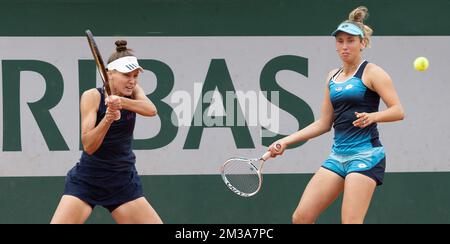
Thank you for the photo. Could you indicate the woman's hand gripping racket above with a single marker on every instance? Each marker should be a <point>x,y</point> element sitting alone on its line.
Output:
<point>244,176</point>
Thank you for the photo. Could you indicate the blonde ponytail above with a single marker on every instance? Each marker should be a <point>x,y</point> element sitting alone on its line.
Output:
<point>357,17</point>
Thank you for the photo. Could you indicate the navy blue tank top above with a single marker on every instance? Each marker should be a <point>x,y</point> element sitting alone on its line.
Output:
<point>115,153</point>
<point>347,98</point>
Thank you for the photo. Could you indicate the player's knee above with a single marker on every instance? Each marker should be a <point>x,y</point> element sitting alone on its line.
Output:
<point>303,217</point>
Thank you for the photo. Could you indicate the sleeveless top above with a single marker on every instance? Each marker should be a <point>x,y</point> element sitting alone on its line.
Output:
<point>347,98</point>
<point>115,153</point>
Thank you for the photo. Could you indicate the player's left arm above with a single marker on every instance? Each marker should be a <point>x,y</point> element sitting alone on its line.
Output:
<point>380,82</point>
<point>139,104</point>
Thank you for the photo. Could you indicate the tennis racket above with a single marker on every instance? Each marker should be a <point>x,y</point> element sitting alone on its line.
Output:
<point>244,176</point>
<point>99,61</point>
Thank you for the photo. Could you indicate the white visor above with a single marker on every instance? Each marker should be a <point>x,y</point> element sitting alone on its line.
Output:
<point>124,64</point>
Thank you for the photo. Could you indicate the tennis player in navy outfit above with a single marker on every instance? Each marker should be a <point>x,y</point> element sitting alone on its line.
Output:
<point>356,164</point>
<point>106,174</point>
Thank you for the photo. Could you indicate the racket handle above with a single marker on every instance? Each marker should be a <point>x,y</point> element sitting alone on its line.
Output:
<point>266,156</point>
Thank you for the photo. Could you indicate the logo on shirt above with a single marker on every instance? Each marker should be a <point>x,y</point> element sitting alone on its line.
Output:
<point>338,89</point>
<point>361,166</point>
<point>349,86</point>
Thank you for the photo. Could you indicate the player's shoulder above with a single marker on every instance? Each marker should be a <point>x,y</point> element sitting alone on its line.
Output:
<point>331,73</point>
<point>375,72</point>
<point>372,68</point>
<point>91,92</point>
<point>91,95</point>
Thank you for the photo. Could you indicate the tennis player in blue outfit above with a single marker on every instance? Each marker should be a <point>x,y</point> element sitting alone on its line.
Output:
<point>106,174</point>
<point>356,164</point>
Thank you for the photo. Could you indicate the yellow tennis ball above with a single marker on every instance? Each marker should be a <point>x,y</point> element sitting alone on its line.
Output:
<point>421,64</point>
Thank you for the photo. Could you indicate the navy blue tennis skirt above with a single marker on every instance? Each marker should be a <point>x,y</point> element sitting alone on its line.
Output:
<point>100,186</point>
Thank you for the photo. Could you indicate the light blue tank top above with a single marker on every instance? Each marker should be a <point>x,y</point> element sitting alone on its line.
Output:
<point>347,98</point>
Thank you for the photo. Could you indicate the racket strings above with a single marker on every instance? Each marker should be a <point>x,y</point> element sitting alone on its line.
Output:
<point>242,176</point>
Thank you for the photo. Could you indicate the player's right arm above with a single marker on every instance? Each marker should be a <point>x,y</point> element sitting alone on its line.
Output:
<point>317,128</point>
<point>92,136</point>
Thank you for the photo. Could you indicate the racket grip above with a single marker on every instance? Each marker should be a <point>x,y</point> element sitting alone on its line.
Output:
<point>266,156</point>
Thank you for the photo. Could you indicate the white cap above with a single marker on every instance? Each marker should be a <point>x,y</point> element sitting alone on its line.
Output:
<point>124,64</point>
